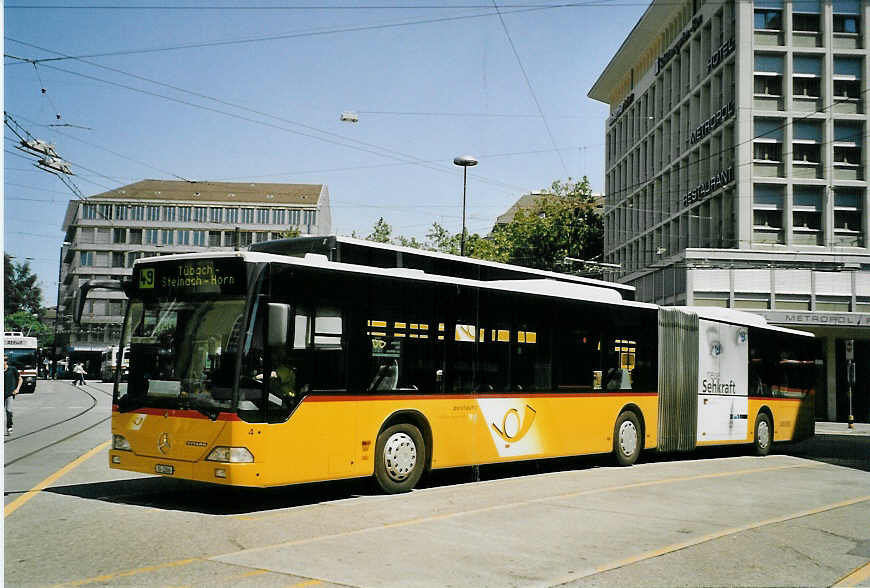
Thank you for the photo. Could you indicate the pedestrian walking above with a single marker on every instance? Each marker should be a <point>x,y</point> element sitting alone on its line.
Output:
<point>79,371</point>
<point>11,385</point>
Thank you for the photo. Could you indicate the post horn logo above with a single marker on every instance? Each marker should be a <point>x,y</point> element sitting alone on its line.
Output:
<point>163,444</point>
<point>512,428</point>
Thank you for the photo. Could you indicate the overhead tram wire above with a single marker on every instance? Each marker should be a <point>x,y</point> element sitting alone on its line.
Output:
<point>529,84</point>
<point>367,147</point>
<point>300,35</point>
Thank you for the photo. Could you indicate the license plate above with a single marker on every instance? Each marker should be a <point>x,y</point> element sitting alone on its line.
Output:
<point>164,469</point>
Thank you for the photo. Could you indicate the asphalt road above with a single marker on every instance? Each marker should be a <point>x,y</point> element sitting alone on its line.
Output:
<point>800,517</point>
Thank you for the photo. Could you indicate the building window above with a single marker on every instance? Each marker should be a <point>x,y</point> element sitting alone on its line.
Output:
<point>848,217</point>
<point>151,236</point>
<point>117,259</point>
<point>261,237</point>
<point>262,216</point>
<point>847,143</point>
<point>807,215</point>
<point>121,212</point>
<point>768,74</point>
<point>247,216</point>
<point>232,215</point>
<point>847,77</point>
<point>184,237</point>
<point>132,257</point>
<point>216,215</point>
<point>807,76</point>
<point>135,236</point>
<point>245,238</point>
<point>847,17</point>
<point>767,143</point>
<point>200,214</point>
<point>767,19</point>
<point>153,213</point>
<point>230,239</point>
<point>807,23</point>
<point>767,207</point>
<point>309,217</point>
<point>89,211</point>
<point>168,237</point>
<point>294,218</point>
<point>807,147</point>
<point>184,213</point>
<point>214,238</point>
<point>137,212</point>
<point>86,258</point>
<point>199,238</point>
<point>104,211</point>
<point>119,235</point>
<point>279,217</point>
<point>169,213</point>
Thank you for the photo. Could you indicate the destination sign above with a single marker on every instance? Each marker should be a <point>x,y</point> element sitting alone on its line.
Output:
<point>194,276</point>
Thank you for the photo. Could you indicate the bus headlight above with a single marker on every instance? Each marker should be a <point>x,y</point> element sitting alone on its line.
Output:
<point>120,443</point>
<point>231,455</point>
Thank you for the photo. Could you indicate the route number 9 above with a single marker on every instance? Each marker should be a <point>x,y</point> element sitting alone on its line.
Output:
<point>146,278</point>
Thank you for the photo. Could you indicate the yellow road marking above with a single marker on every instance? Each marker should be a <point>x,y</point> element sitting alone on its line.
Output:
<point>710,537</point>
<point>855,578</point>
<point>306,583</point>
<point>18,502</point>
<point>127,573</point>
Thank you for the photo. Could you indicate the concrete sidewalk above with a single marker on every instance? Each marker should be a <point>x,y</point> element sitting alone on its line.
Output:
<point>827,428</point>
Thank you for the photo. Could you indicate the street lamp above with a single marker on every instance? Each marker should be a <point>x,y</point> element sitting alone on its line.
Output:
<point>57,314</point>
<point>465,161</point>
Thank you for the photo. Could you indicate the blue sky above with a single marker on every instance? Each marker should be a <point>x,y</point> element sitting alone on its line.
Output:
<point>259,100</point>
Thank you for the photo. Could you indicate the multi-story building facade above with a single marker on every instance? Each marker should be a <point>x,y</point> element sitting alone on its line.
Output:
<point>736,168</point>
<point>106,233</point>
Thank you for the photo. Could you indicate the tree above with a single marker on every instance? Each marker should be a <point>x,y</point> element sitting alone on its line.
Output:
<point>562,222</point>
<point>28,323</point>
<point>381,232</point>
<point>20,290</point>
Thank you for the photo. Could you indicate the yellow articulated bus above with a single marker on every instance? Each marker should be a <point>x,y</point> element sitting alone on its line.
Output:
<point>259,369</point>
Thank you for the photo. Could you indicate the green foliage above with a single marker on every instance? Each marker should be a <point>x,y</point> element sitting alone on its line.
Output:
<point>20,290</point>
<point>28,324</point>
<point>290,233</point>
<point>560,223</point>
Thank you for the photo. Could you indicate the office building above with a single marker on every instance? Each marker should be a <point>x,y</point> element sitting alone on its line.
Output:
<point>736,168</point>
<point>106,233</point>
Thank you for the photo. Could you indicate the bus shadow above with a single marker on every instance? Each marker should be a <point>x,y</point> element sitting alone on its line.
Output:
<point>852,451</point>
<point>183,495</point>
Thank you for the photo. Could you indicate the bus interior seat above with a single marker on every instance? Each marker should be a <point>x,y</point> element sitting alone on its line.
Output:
<point>387,377</point>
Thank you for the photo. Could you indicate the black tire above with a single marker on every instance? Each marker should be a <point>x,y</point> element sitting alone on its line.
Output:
<point>763,434</point>
<point>400,458</point>
<point>627,439</point>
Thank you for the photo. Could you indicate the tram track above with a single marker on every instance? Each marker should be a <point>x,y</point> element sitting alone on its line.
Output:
<point>59,423</point>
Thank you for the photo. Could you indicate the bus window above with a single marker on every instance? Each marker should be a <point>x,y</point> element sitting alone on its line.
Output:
<point>530,361</point>
<point>494,358</point>
<point>579,360</point>
<point>401,356</point>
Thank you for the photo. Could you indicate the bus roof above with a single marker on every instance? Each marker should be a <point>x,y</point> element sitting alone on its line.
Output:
<point>542,287</point>
<point>384,255</point>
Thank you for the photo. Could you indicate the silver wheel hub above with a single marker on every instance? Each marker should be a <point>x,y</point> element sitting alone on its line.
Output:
<point>400,456</point>
<point>763,437</point>
<point>627,438</point>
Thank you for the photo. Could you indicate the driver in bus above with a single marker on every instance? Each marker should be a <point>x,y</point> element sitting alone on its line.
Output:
<point>283,378</point>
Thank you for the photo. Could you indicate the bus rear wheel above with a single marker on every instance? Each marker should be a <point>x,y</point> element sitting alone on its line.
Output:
<point>763,434</point>
<point>400,457</point>
<point>626,439</point>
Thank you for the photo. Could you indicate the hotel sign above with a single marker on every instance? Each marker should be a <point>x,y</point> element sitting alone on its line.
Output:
<point>622,108</point>
<point>724,50</point>
<point>665,57</point>
<point>712,123</point>
<point>704,189</point>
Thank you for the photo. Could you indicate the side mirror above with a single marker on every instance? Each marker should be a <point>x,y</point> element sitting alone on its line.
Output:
<point>279,324</point>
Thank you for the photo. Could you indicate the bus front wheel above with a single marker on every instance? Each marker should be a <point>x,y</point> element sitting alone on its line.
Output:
<point>626,438</point>
<point>400,457</point>
<point>763,434</point>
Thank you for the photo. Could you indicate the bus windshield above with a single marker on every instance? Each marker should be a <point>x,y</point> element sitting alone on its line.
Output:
<point>181,354</point>
<point>21,358</point>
